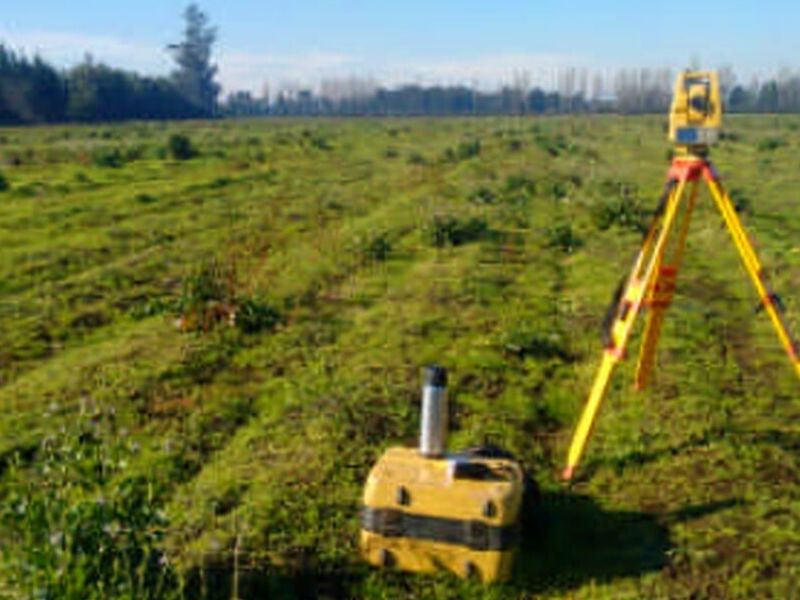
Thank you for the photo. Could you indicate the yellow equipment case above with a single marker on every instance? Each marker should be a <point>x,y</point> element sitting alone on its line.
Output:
<point>458,511</point>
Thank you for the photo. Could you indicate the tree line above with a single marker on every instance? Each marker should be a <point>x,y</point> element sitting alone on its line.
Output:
<point>627,91</point>
<point>33,91</point>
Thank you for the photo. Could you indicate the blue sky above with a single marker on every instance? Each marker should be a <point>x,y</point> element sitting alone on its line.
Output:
<point>299,43</point>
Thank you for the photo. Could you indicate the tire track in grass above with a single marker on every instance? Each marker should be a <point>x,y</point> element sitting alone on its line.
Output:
<point>82,360</point>
<point>35,379</point>
<point>84,275</point>
<point>196,241</point>
<point>135,217</point>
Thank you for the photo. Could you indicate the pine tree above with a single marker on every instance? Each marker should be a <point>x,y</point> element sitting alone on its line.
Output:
<point>194,76</point>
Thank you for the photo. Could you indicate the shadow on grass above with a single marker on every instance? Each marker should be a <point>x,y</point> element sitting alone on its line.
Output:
<point>575,541</point>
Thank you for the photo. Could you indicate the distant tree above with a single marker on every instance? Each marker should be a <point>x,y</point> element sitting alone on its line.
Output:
<point>98,93</point>
<point>194,76</point>
<point>30,91</point>
<point>519,90</point>
<point>626,91</point>
<point>788,90</point>
<point>537,100</point>
<point>740,100</point>
<point>768,97</point>
<point>101,93</point>
<point>727,82</point>
<point>241,104</point>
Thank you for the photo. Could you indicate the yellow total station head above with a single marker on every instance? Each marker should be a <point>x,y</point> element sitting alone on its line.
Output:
<point>696,114</point>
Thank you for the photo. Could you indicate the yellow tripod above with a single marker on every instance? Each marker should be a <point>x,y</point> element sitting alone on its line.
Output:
<point>651,284</point>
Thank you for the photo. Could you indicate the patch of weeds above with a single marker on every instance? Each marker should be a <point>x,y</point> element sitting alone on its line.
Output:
<point>29,190</point>
<point>552,147</point>
<point>136,152</point>
<point>515,145</point>
<point>468,149</point>
<point>741,203</point>
<point>730,136</point>
<point>229,498</point>
<point>89,319</point>
<point>220,182</point>
<point>622,212</point>
<point>332,204</point>
<point>558,185</point>
<point>448,230</point>
<point>519,182</point>
<point>207,297</point>
<point>770,143</point>
<point>390,153</point>
<point>575,179</point>
<point>143,198</point>
<point>376,248</point>
<point>415,158</point>
<point>254,315</point>
<point>211,282</point>
<point>562,237</point>
<point>463,151</point>
<point>558,189</point>
<point>81,527</point>
<point>449,155</point>
<point>530,342</point>
<point>483,195</point>
<point>180,147</point>
<point>150,307</point>
<point>110,158</point>
<point>12,158</point>
<point>321,143</point>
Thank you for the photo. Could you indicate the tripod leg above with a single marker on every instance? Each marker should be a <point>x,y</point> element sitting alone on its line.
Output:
<point>751,263</point>
<point>626,313</point>
<point>660,296</point>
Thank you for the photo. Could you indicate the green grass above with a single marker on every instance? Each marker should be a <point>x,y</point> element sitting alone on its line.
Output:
<point>361,251</point>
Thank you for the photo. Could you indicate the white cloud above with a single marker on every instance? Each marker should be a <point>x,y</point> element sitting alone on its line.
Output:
<point>250,71</point>
<point>67,49</point>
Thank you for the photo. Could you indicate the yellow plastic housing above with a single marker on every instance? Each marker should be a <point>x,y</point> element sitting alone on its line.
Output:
<point>408,486</point>
<point>695,117</point>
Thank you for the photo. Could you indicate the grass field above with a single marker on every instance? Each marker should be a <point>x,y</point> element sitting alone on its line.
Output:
<point>150,445</point>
